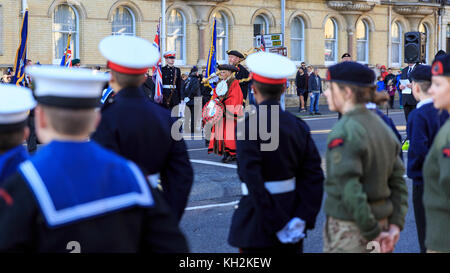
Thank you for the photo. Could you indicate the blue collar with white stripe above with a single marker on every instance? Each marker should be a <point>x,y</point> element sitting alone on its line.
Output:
<point>77,180</point>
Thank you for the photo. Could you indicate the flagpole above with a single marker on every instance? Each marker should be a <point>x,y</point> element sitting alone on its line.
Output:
<point>162,46</point>
<point>24,6</point>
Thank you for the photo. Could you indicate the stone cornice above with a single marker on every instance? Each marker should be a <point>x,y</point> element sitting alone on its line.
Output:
<point>414,10</point>
<point>354,6</point>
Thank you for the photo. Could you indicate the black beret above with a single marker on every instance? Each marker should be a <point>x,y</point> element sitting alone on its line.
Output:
<point>422,73</point>
<point>351,73</point>
<point>346,55</point>
<point>235,53</point>
<point>229,67</point>
<point>441,66</point>
<point>75,61</point>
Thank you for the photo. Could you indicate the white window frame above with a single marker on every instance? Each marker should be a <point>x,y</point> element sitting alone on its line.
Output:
<point>398,62</point>
<point>367,42</point>
<point>427,33</point>
<point>302,40</point>
<point>225,17</point>
<point>1,29</point>
<point>183,40</point>
<point>132,17</point>
<point>75,34</point>
<point>336,41</point>
<point>266,30</point>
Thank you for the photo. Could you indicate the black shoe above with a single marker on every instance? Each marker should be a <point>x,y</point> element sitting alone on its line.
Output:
<point>318,114</point>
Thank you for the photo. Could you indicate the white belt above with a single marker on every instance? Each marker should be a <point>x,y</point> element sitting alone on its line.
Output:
<point>274,187</point>
<point>169,86</point>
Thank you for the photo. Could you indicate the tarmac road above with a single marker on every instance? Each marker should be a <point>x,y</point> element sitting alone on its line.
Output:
<point>216,191</point>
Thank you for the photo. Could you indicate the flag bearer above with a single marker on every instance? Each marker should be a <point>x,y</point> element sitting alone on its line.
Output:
<point>436,171</point>
<point>367,197</point>
<point>139,129</point>
<point>282,183</point>
<point>73,195</point>
<point>15,104</point>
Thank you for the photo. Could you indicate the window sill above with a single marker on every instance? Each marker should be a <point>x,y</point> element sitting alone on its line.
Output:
<point>330,63</point>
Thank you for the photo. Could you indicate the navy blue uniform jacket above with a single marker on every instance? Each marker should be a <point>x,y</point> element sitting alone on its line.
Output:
<point>260,215</point>
<point>140,130</point>
<point>423,125</point>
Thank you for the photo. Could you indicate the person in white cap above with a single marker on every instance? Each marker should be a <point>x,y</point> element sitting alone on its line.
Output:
<point>15,104</point>
<point>171,78</point>
<point>74,195</point>
<point>282,184</point>
<point>139,129</point>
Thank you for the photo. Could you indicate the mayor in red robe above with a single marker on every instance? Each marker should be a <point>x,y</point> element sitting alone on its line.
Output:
<point>223,134</point>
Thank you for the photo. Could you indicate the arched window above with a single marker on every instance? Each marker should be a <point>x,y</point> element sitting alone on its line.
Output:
<point>298,39</point>
<point>123,22</point>
<point>65,21</point>
<point>424,29</point>
<point>396,44</point>
<point>176,29</point>
<point>222,36</point>
<point>260,27</point>
<point>362,41</point>
<point>331,38</point>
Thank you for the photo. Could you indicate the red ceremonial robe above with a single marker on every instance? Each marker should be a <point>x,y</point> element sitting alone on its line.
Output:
<point>223,134</point>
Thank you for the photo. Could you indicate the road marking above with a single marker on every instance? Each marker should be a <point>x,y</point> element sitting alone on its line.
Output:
<point>213,205</point>
<point>231,166</point>
<point>200,149</point>
<point>400,128</point>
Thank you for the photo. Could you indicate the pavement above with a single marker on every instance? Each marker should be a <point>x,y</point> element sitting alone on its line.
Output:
<point>216,192</point>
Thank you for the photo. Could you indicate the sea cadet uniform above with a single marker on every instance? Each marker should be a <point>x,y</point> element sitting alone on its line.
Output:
<point>171,79</point>
<point>282,187</point>
<point>436,175</point>
<point>139,129</point>
<point>15,104</point>
<point>78,196</point>
<point>365,187</point>
<point>423,124</point>
<point>242,75</point>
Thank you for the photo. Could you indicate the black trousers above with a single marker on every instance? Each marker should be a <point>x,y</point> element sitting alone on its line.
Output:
<point>32,138</point>
<point>419,214</point>
<point>281,248</point>
<point>190,120</point>
<point>408,109</point>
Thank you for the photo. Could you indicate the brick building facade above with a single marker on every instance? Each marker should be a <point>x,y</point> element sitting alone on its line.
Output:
<point>317,32</point>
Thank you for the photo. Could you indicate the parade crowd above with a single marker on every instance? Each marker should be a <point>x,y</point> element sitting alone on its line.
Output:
<point>111,176</point>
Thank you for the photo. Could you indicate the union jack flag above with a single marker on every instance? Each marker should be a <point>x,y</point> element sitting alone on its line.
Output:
<point>157,75</point>
<point>263,43</point>
<point>67,57</point>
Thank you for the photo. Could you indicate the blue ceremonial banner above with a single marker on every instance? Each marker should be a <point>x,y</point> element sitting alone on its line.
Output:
<point>21,55</point>
<point>211,62</point>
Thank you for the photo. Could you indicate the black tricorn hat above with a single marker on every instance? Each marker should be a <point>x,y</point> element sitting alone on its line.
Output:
<point>229,67</point>
<point>236,53</point>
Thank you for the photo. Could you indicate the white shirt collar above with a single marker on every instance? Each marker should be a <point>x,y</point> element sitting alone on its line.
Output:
<point>423,102</point>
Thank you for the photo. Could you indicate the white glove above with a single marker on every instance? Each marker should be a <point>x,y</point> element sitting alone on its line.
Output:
<point>292,232</point>
<point>186,100</point>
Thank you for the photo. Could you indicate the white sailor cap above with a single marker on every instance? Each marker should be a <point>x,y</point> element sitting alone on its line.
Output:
<point>170,54</point>
<point>129,54</point>
<point>67,87</point>
<point>270,68</point>
<point>15,103</point>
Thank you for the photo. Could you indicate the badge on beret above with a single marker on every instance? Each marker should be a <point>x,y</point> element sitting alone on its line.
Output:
<point>446,152</point>
<point>335,143</point>
<point>438,68</point>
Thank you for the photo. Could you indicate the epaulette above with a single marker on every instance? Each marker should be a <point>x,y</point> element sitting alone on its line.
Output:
<point>245,80</point>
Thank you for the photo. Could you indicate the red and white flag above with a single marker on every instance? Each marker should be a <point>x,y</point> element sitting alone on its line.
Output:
<point>157,75</point>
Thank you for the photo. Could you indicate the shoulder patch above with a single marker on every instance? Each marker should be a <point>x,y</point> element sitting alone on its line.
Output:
<point>6,197</point>
<point>446,152</point>
<point>335,143</point>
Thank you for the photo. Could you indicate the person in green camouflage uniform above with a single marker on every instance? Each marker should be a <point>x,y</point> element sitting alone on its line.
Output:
<point>367,197</point>
<point>436,169</point>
